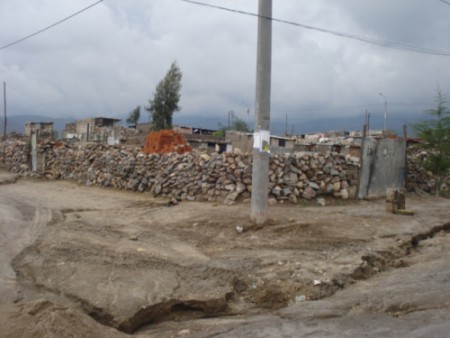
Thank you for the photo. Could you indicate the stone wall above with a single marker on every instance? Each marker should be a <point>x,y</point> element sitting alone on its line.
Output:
<point>420,178</point>
<point>192,176</point>
<point>15,156</point>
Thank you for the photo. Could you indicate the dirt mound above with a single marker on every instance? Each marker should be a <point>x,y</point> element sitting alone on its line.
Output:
<point>166,141</point>
<point>44,318</point>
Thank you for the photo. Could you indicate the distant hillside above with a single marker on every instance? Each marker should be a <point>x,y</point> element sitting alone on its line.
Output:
<point>277,126</point>
<point>311,125</point>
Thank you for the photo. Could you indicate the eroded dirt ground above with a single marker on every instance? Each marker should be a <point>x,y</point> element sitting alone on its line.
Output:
<point>88,262</point>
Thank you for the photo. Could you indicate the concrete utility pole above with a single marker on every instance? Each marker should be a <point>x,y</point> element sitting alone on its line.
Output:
<point>368,121</point>
<point>248,114</point>
<point>261,137</point>
<point>286,129</point>
<point>4,110</point>
<point>385,114</point>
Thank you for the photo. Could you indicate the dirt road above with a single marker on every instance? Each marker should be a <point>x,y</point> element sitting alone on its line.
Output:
<point>89,262</point>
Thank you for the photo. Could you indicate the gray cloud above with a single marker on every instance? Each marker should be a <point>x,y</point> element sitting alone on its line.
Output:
<point>109,59</point>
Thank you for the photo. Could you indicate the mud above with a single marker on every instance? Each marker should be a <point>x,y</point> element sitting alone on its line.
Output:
<point>85,261</point>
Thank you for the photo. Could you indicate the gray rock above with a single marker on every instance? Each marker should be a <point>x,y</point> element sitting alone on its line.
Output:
<point>240,187</point>
<point>230,187</point>
<point>309,193</point>
<point>337,186</point>
<point>314,185</point>
<point>287,191</point>
<point>293,199</point>
<point>321,201</point>
<point>232,196</point>
<point>272,201</point>
<point>292,177</point>
<point>276,190</point>
<point>334,172</point>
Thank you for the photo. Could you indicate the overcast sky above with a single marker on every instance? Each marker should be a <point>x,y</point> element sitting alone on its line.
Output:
<point>109,59</point>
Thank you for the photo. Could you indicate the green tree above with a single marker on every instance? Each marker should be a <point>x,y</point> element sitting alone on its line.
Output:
<point>235,123</point>
<point>436,136</point>
<point>134,116</point>
<point>166,99</point>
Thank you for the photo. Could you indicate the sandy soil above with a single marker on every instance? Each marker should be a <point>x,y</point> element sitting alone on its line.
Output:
<point>89,262</point>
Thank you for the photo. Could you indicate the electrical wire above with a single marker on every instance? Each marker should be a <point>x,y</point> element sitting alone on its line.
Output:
<point>381,43</point>
<point>51,26</point>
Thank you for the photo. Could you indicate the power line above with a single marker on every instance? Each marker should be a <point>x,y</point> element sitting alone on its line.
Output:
<point>51,26</point>
<point>445,2</point>
<point>381,43</point>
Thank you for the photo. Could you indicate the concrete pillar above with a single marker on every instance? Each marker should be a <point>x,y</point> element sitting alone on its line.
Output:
<point>261,146</point>
<point>395,199</point>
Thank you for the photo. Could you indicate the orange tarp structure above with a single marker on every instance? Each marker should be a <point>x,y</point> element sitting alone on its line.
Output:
<point>166,141</point>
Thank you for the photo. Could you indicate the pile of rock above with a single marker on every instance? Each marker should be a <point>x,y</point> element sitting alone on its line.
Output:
<point>194,175</point>
<point>306,176</point>
<point>420,178</point>
<point>166,141</point>
<point>15,156</point>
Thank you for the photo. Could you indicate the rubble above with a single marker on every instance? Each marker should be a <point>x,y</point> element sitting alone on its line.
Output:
<point>15,156</point>
<point>166,141</point>
<point>190,176</point>
<point>418,178</point>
